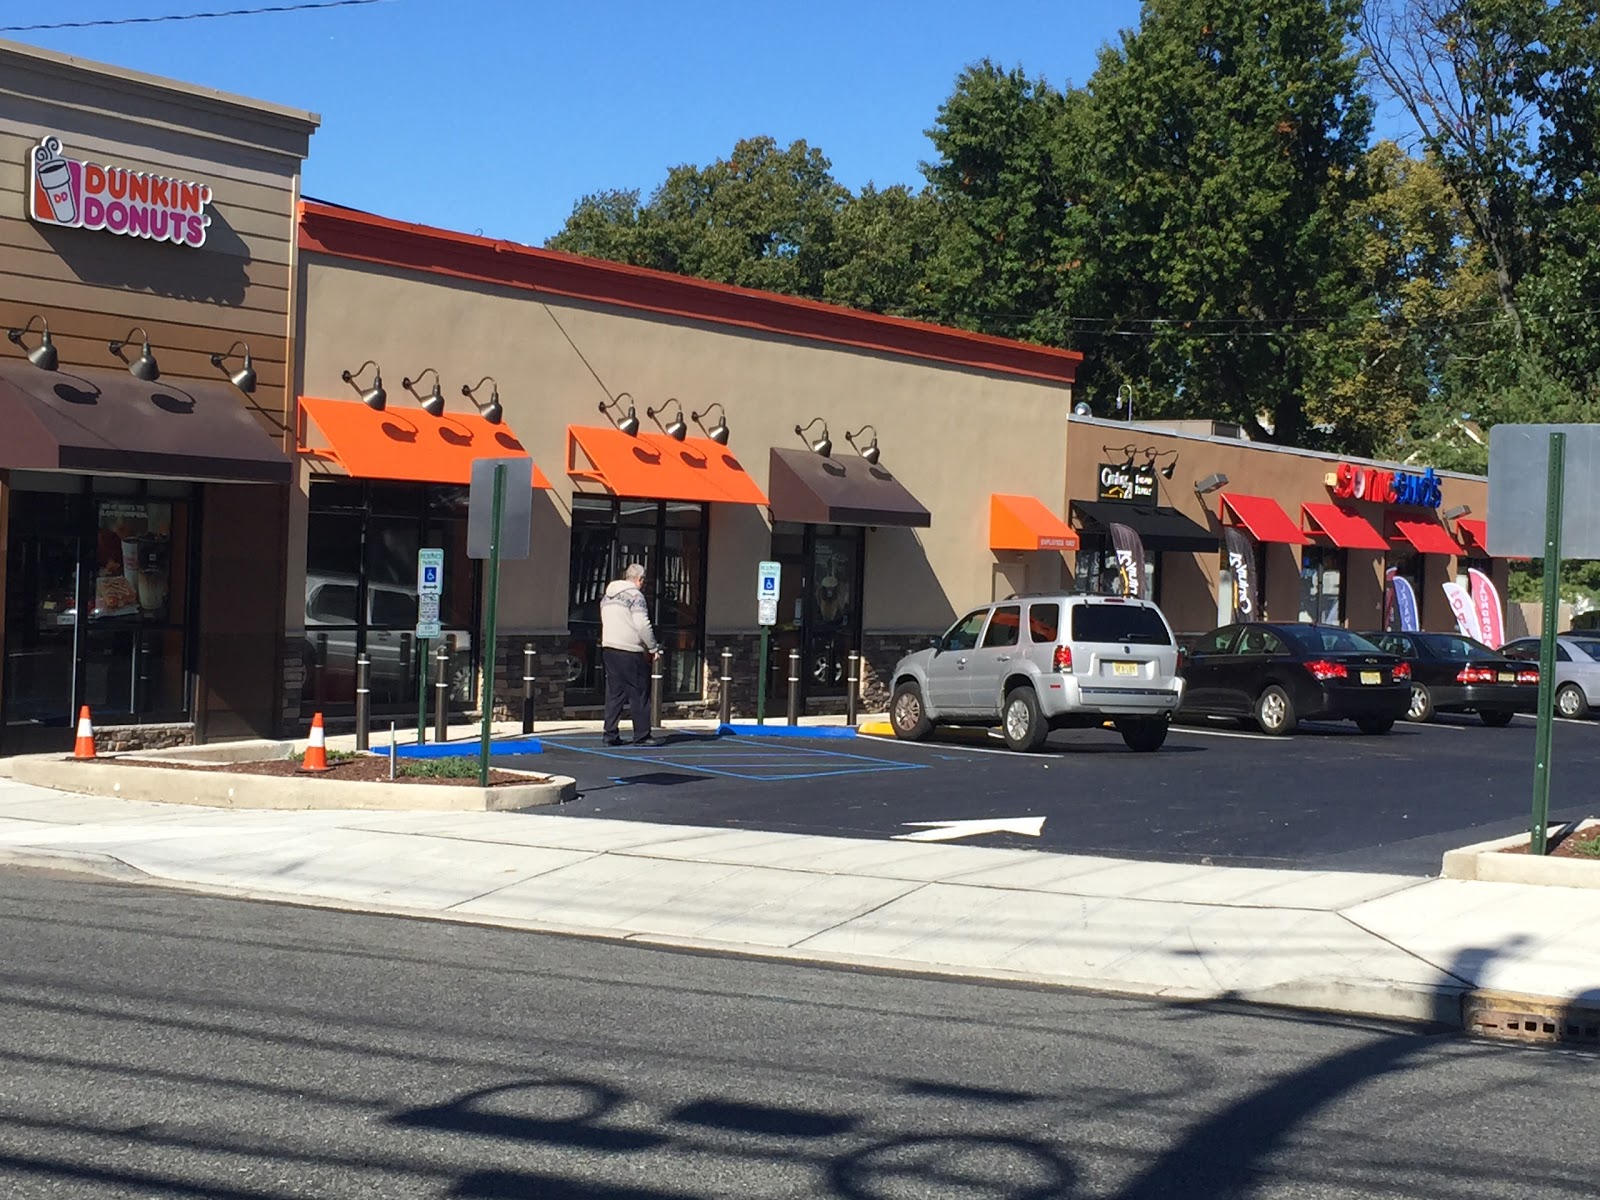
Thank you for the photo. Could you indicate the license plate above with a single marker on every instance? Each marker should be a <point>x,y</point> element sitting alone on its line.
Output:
<point>1372,677</point>
<point>1507,677</point>
<point>1124,668</point>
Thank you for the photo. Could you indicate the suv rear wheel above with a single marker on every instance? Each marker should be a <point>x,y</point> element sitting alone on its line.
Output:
<point>1024,725</point>
<point>907,714</point>
<point>1143,734</point>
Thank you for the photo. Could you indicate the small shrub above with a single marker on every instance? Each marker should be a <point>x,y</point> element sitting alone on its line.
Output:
<point>456,767</point>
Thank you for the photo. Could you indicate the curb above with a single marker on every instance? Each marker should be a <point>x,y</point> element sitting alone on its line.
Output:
<point>80,862</point>
<point>786,731</point>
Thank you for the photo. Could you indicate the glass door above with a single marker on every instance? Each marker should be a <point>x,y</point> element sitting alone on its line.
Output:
<point>44,591</point>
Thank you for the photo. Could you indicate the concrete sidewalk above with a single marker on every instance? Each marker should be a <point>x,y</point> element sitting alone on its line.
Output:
<point>1382,945</point>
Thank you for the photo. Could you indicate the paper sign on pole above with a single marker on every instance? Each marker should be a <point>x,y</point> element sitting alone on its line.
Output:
<point>428,616</point>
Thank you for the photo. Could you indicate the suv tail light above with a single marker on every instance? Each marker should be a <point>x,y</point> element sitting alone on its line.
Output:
<point>1476,675</point>
<point>1528,676</point>
<point>1061,661</point>
<point>1323,670</point>
<point>1402,671</point>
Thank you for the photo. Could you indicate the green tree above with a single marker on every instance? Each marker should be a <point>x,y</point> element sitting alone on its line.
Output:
<point>1213,176</point>
<point>882,242</point>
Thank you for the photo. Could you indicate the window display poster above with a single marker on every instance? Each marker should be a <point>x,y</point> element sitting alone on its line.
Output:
<point>133,559</point>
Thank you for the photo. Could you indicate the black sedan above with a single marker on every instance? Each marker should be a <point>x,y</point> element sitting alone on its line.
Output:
<point>1455,674</point>
<point>1277,675</point>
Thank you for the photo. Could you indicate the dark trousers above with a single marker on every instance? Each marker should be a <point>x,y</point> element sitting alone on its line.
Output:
<point>627,683</point>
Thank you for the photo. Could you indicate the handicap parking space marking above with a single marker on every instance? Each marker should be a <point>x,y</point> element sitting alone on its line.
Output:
<point>861,764</point>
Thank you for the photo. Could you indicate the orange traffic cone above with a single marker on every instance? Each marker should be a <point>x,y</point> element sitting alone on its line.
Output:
<point>316,758</point>
<point>84,746</point>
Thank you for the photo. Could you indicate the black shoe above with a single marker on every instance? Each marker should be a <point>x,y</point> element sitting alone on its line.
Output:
<point>613,740</point>
<point>646,740</point>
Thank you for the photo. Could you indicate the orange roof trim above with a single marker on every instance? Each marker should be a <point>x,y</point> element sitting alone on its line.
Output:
<point>1024,523</point>
<point>365,237</point>
<point>656,467</point>
<point>408,446</point>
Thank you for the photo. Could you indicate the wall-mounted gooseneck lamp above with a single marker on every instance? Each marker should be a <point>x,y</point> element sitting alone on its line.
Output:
<point>433,402</point>
<point>492,412</point>
<point>718,433</point>
<point>824,444</point>
<point>373,397</point>
<point>870,451</point>
<point>144,367</point>
<point>245,377</point>
<point>628,424</point>
<point>1151,454</point>
<point>675,428</point>
<point>44,354</point>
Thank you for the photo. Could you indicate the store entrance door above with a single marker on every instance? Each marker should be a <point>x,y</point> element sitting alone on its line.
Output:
<point>44,576</point>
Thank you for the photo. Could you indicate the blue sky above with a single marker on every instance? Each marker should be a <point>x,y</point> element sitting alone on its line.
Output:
<point>495,116</point>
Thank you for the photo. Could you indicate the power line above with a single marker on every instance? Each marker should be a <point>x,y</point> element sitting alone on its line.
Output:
<point>307,6</point>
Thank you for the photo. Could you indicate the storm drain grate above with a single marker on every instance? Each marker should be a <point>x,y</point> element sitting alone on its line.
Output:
<point>1530,1019</point>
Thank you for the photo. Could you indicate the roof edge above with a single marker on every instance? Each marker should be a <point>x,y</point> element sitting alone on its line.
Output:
<point>347,233</point>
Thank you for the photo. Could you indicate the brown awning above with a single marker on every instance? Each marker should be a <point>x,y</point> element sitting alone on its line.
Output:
<point>111,423</point>
<point>813,490</point>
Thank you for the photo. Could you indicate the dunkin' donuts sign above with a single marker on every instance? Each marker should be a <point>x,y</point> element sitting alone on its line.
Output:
<point>84,195</point>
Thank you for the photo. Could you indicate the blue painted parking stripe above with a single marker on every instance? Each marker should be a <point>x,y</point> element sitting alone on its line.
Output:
<point>877,764</point>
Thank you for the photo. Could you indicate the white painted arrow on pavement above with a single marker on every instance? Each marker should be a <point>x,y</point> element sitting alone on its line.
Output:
<point>948,831</point>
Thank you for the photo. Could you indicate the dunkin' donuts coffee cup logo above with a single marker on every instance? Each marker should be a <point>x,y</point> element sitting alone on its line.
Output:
<point>86,195</point>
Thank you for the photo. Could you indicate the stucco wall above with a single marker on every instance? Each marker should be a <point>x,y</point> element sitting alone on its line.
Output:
<point>951,435</point>
<point>1292,478</point>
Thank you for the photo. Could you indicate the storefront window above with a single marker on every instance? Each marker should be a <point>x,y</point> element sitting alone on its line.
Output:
<point>1096,571</point>
<point>361,579</point>
<point>1322,572</point>
<point>819,605</point>
<point>668,538</point>
<point>99,602</point>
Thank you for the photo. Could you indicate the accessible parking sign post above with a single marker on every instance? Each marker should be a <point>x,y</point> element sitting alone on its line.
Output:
<point>768,575</point>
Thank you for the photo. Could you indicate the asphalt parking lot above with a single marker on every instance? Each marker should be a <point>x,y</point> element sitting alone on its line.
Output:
<point>1327,797</point>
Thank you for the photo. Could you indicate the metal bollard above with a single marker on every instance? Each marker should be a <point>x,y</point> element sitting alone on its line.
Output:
<point>363,702</point>
<point>852,686</point>
<point>441,694</point>
<point>794,687</point>
<point>393,753</point>
<point>725,698</point>
<point>529,655</point>
<point>655,691</point>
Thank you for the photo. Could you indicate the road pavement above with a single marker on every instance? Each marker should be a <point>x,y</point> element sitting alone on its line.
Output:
<point>160,1044</point>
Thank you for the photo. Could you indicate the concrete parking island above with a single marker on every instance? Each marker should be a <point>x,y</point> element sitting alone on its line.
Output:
<point>168,777</point>
<point>1488,861</point>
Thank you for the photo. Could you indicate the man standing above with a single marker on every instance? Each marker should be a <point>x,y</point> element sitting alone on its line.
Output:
<point>628,646</point>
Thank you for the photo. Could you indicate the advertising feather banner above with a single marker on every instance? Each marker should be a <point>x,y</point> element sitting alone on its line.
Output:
<point>1241,553</point>
<point>1461,605</point>
<point>1130,559</point>
<point>1491,615</point>
<point>1405,605</point>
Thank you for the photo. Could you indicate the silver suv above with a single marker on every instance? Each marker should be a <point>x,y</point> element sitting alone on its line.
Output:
<point>1037,663</point>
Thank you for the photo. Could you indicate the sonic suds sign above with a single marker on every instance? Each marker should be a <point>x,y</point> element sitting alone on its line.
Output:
<point>84,195</point>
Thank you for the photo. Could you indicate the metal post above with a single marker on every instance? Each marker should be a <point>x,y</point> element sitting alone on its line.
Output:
<point>1538,839</point>
<point>725,697</point>
<point>441,694</point>
<point>851,687</point>
<point>363,702</point>
<point>794,687</point>
<point>761,675</point>
<point>422,690</point>
<point>528,653</point>
<point>394,753</point>
<point>496,516</point>
<point>655,692</point>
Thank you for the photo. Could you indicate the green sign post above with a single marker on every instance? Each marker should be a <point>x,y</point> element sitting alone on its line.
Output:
<point>1551,617</point>
<point>499,525</point>
<point>490,605</point>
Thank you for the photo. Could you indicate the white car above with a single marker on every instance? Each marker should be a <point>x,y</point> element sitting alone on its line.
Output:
<point>1577,672</point>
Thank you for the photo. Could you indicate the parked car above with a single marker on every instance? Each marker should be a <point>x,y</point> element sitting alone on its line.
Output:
<point>1577,671</point>
<point>1456,674</point>
<point>1042,662</point>
<point>1277,675</point>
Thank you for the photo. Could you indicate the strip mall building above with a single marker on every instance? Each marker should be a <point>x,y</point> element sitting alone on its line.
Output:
<point>202,551</point>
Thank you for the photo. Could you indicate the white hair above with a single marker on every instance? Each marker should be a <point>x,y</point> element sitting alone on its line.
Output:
<point>634,573</point>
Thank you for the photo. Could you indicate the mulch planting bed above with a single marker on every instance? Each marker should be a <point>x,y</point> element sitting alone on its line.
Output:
<point>362,769</point>
<point>1585,843</point>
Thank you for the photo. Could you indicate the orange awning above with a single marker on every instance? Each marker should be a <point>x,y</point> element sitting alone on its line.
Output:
<point>1477,532</point>
<point>1345,527</point>
<point>1023,523</point>
<point>1264,518</point>
<point>1429,537</point>
<point>406,445</point>
<point>653,466</point>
